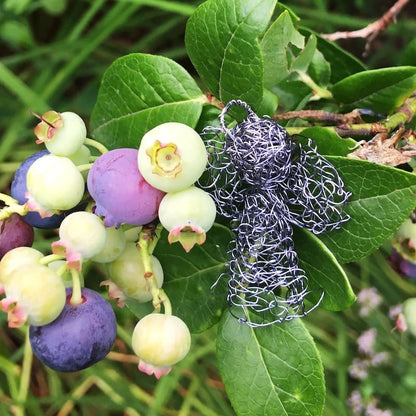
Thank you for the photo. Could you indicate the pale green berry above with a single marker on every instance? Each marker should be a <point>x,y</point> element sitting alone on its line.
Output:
<point>82,236</point>
<point>160,341</point>
<point>407,230</point>
<point>62,133</point>
<point>34,294</point>
<point>81,156</point>
<point>128,274</point>
<point>187,215</point>
<point>60,267</point>
<point>409,313</point>
<point>132,234</point>
<point>54,183</point>
<point>172,156</point>
<point>114,245</point>
<point>17,258</point>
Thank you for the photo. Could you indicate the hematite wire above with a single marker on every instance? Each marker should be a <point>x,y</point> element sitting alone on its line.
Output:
<point>264,182</point>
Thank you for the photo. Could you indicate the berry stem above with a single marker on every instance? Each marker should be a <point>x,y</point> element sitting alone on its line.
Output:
<point>50,258</point>
<point>61,271</point>
<point>147,242</point>
<point>97,145</point>
<point>156,234</point>
<point>76,298</point>
<point>25,375</point>
<point>13,206</point>
<point>86,166</point>
<point>7,199</point>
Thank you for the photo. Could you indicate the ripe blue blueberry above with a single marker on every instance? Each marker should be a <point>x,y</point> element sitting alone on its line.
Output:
<point>81,336</point>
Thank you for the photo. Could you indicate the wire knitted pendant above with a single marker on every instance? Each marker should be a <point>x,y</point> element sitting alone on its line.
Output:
<point>264,181</point>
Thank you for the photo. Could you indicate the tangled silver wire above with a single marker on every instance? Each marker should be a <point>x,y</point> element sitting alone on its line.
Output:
<point>264,182</point>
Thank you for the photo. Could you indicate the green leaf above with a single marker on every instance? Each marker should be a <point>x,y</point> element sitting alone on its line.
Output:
<point>381,90</point>
<point>293,95</point>
<point>274,48</point>
<point>323,272</point>
<point>409,54</point>
<point>342,63</point>
<point>382,198</point>
<point>275,370</point>
<point>320,69</point>
<point>189,277</point>
<point>310,62</point>
<point>139,92</point>
<point>269,104</point>
<point>221,41</point>
<point>303,60</point>
<point>328,142</point>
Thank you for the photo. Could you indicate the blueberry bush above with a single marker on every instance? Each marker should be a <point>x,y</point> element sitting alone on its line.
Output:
<point>126,241</point>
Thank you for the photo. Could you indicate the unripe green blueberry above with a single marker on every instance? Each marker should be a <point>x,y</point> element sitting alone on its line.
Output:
<point>172,156</point>
<point>132,234</point>
<point>127,274</point>
<point>187,215</point>
<point>114,245</point>
<point>54,184</point>
<point>82,236</point>
<point>60,267</point>
<point>160,341</point>
<point>16,258</point>
<point>407,230</point>
<point>34,294</point>
<point>63,133</point>
<point>81,156</point>
<point>409,313</point>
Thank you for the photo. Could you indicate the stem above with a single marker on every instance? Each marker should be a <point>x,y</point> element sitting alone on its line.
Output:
<point>12,206</point>
<point>153,242</point>
<point>147,242</point>
<point>97,145</point>
<point>402,115</point>
<point>25,376</point>
<point>61,271</point>
<point>85,167</point>
<point>318,91</point>
<point>50,258</point>
<point>7,199</point>
<point>76,298</point>
<point>77,393</point>
<point>373,29</point>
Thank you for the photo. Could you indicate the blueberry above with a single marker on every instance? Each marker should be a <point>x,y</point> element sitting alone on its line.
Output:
<point>19,189</point>
<point>14,232</point>
<point>81,336</point>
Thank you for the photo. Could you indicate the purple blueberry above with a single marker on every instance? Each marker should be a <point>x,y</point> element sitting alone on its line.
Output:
<point>401,265</point>
<point>119,190</point>
<point>81,336</point>
<point>18,190</point>
<point>14,232</point>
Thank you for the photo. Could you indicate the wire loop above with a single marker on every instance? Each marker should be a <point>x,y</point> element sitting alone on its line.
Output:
<point>264,182</point>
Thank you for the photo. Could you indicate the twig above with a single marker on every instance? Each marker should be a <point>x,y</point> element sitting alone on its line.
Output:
<point>321,115</point>
<point>401,116</point>
<point>371,31</point>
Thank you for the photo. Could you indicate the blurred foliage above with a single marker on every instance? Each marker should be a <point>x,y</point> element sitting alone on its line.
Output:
<point>328,16</point>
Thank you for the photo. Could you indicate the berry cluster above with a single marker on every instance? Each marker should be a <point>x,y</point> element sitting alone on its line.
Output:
<point>105,210</point>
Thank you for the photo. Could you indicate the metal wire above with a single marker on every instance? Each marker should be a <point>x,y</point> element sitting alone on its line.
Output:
<point>264,181</point>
